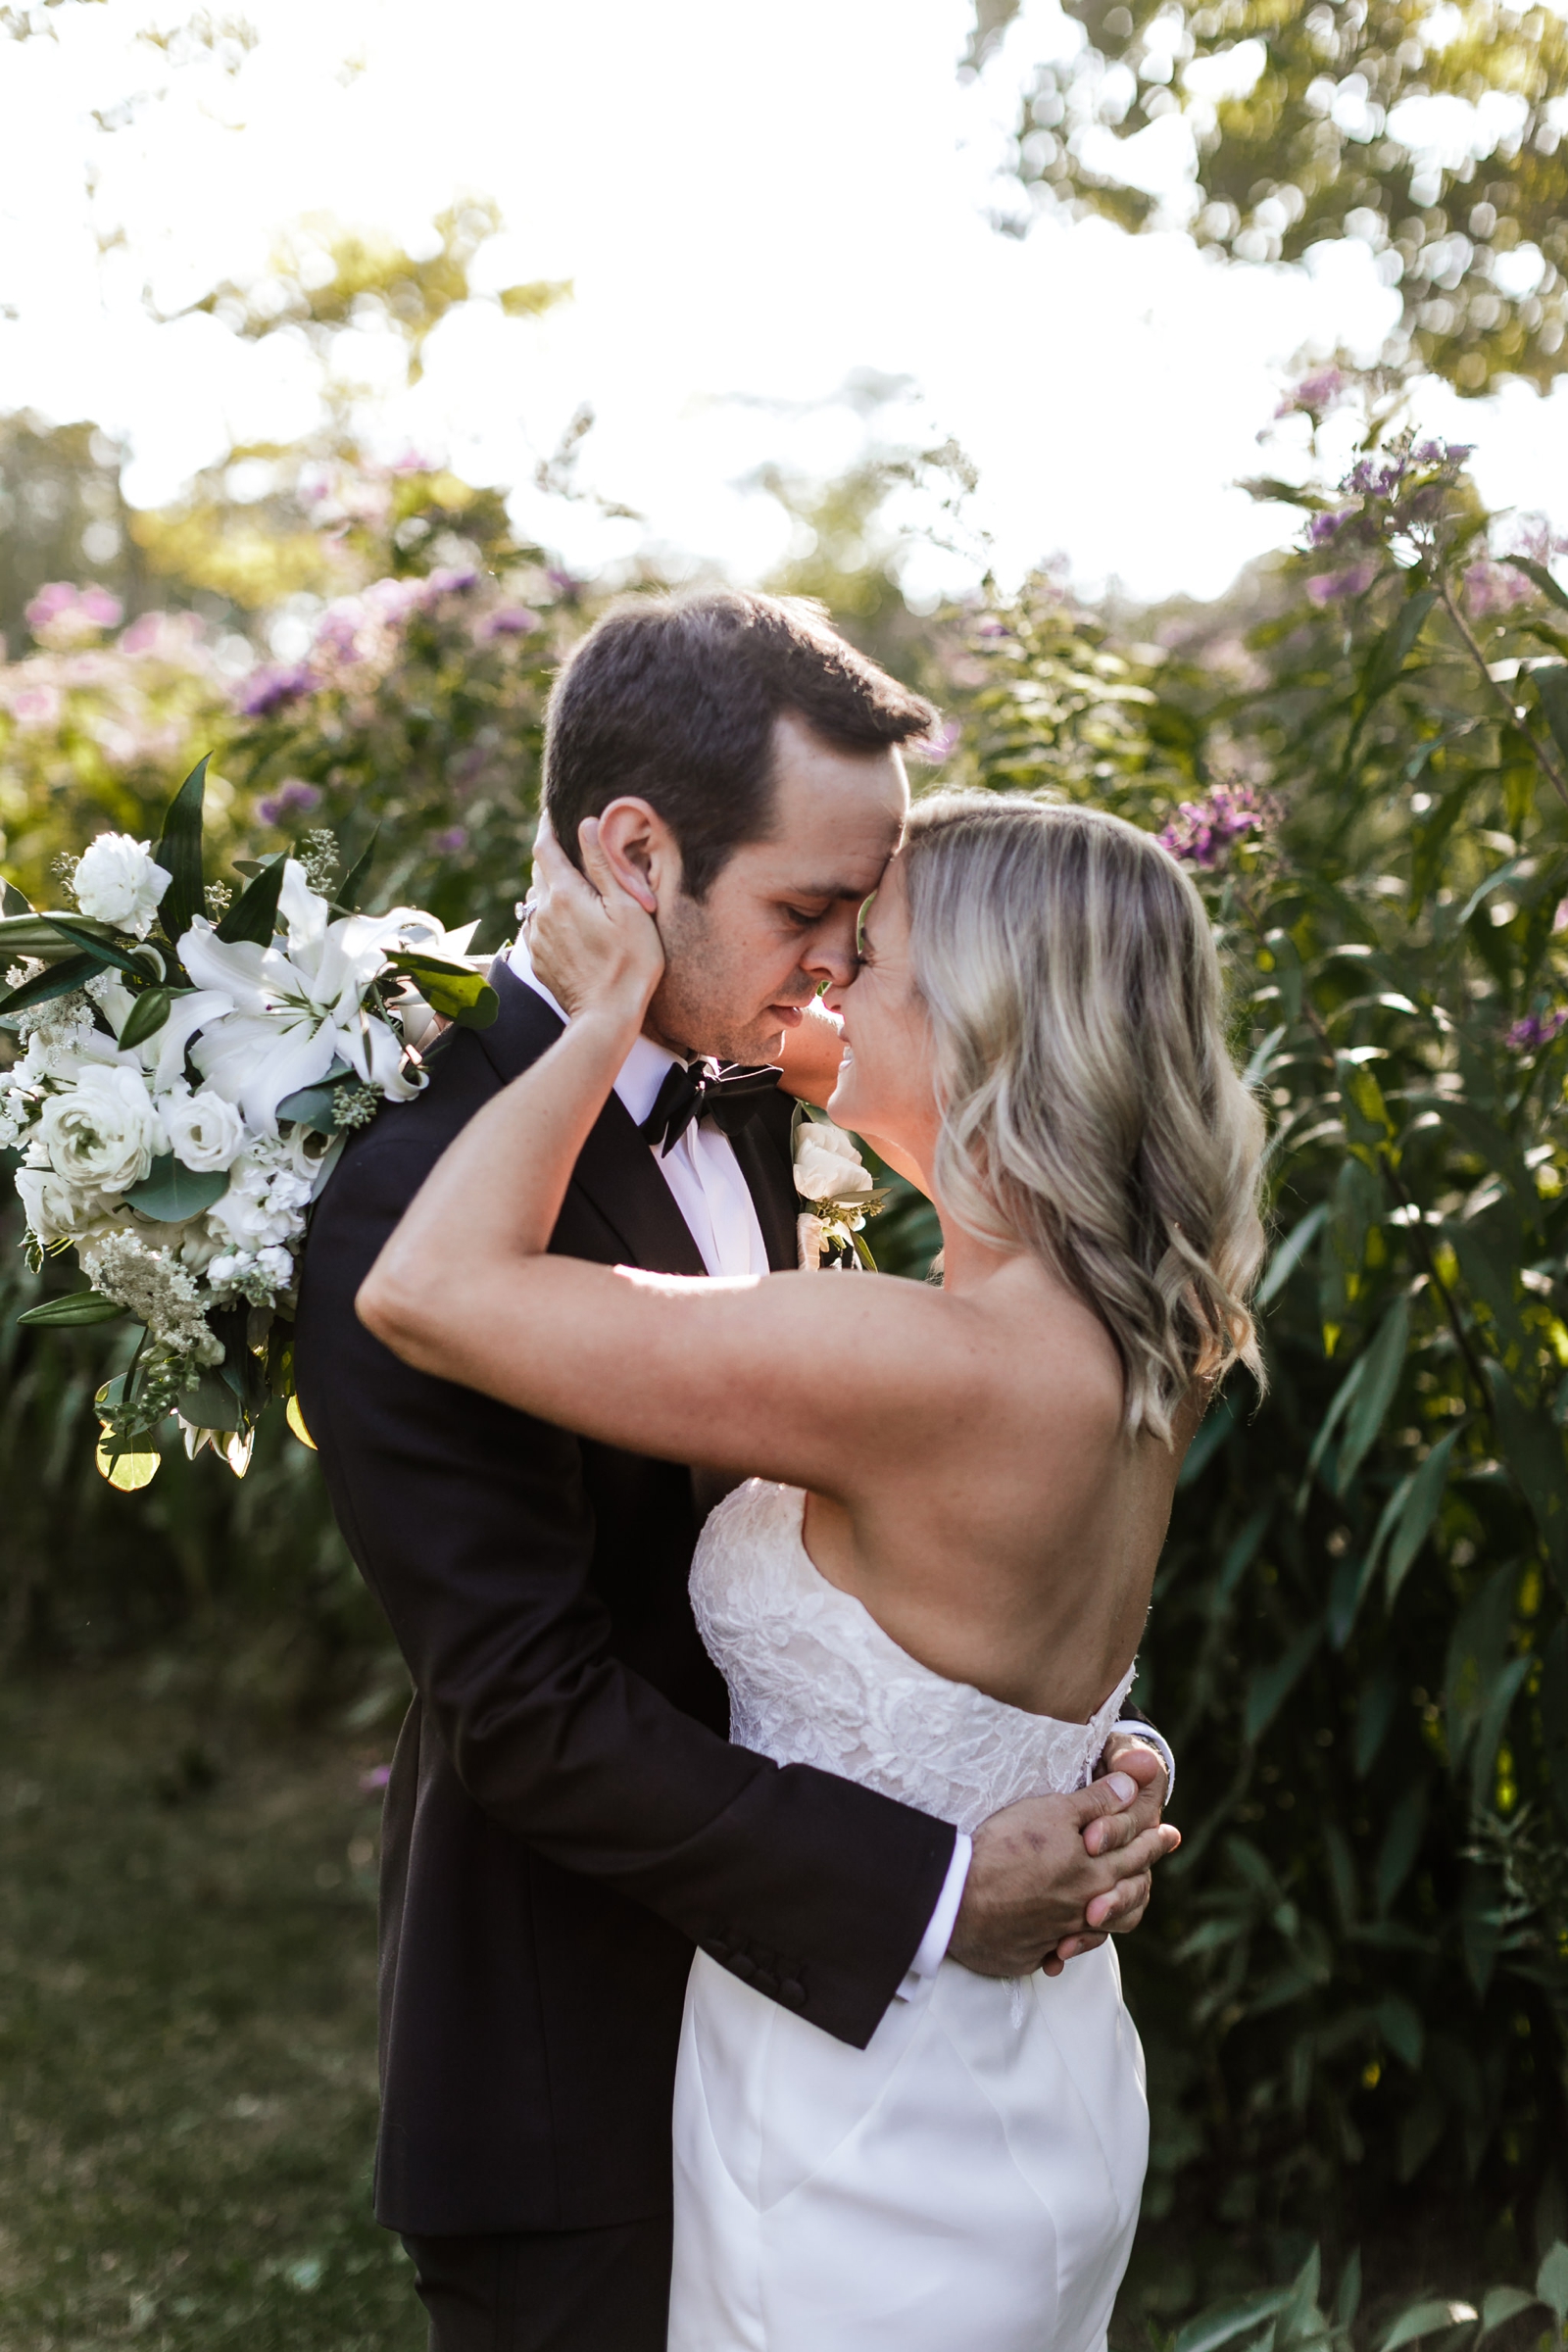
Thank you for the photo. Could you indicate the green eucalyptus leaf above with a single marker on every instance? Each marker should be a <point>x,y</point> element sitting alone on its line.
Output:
<point>70,1311</point>
<point>1429,2317</point>
<point>1289,1253</point>
<point>1228,2320</point>
<point>170,1191</point>
<point>212,1403</point>
<point>1500,2304</point>
<point>179,853</point>
<point>1272,1685</point>
<point>1552,2280</point>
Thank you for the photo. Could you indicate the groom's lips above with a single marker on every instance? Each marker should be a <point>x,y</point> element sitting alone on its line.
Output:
<point>790,1016</point>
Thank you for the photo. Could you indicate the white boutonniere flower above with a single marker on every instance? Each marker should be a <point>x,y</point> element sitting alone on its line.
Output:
<point>839,1192</point>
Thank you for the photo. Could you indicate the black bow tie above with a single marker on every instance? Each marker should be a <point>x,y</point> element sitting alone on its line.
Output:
<point>700,1090</point>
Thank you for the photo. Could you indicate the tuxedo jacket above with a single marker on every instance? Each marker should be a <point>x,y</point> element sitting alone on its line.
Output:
<point>565,1817</point>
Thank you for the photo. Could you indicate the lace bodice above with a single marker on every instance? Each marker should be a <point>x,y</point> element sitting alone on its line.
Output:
<point>815,1679</point>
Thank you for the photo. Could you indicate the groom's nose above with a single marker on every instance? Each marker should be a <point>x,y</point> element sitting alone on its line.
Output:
<point>829,954</point>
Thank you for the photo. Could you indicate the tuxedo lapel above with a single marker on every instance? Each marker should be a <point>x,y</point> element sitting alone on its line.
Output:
<point>615,1169</point>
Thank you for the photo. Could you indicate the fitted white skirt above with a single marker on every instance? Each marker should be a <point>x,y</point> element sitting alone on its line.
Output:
<point>968,2182</point>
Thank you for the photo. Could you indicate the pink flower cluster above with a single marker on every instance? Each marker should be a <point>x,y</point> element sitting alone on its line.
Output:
<point>1201,832</point>
<point>360,631</point>
<point>62,615</point>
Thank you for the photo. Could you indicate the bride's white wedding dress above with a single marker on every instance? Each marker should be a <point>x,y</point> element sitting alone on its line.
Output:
<point>968,2182</point>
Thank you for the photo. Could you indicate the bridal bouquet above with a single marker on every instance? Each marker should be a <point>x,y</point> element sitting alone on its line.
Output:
<point>192,1061</point>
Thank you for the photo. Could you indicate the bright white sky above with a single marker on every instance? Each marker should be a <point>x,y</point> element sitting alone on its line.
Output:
<point>754,199</point>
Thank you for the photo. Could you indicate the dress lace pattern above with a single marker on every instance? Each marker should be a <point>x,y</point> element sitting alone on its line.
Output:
<point>815,1679</point>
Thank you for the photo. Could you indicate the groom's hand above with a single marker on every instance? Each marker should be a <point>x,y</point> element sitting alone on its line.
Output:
<point>1119,1913</point>
<point>1034,1883</point>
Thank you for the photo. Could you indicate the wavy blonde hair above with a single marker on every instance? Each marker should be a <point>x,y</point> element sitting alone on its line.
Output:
<point>1092,1112</point>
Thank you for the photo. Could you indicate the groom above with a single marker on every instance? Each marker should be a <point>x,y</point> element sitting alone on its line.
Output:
<point>565,1818</point>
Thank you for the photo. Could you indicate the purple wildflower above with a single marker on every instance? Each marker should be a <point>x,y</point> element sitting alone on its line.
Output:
<point>509,621</point>
<point>1313,393</point>
<point>293,798</point>
<point>1327,587</point>
<point>1494,588</point>
<point>453,579</point>
<point>1323,527</point>
<point>270,690</point>
<point>561,582</point>
<point>990,626</point>
<point>1201,831</point>
<point>452,843</point>
<point>96,605</point>
<point>1537,1029</point>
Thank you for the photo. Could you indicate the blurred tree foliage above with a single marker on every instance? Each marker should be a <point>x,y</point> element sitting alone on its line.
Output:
<point>1356,1990</point>
<point>1433,134</point>
<point>62,517</point>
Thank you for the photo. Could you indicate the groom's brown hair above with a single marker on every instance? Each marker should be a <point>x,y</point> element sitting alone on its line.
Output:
<point>674,698</point>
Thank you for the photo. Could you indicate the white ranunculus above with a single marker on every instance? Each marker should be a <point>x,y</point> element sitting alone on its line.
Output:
<point>204,1132</point>
<point>104,1133</point>
<point>118,882</point>
<point>824,1174</point>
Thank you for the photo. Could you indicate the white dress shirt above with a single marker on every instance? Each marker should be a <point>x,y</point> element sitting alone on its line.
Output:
<point>715,1201</point>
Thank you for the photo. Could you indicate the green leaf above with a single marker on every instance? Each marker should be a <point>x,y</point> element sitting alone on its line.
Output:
<point>1552,2281</point>
<point>1227,2321</point>
<point>254,914</point>
<point>96,940</point>
<point>1271,1686</point>
<point>1422,1501</point>
<point>352,889</point>
<point>1221,1420</point>
<point>170,1191</point>
<point>1541,576</point>
<point>12,900</point>
<point>1494,1722</point>
<point>311,1105</point>
<point>1289,1253</point>
<point>74,1309</point>
<point>179,853</point>
<point>1384,1361</point>
<point>1533,1449</point>
<point>1348,2302</point>
<point>1551,691</point>
<point>1387,658</point>
<point>1500,2304</point>
<point>212,1403</point>
<point>42,935</point>
<point>1401,1842</point>
<point>451,989</point>
<point>57,981</point>
<point>1425,2318</point>
<point>146,1016</point>
<point>1399,2024</point>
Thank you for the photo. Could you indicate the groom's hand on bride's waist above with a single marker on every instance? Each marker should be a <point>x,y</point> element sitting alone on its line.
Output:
<point>1053,1875</point>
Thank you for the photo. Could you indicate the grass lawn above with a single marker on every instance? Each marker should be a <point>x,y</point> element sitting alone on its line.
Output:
<point>187,2029</point>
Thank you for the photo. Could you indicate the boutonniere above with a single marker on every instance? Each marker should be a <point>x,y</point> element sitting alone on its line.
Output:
<point>839,1192</point>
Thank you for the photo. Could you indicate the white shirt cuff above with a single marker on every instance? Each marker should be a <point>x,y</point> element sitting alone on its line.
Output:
<point>938,1931</point>
<point>1161,1747</point>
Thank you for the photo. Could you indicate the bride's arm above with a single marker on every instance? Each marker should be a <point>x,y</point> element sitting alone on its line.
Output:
<point>750,1374</point>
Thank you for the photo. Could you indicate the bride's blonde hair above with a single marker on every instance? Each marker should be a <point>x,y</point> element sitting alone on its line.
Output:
<point>1091,1109</point>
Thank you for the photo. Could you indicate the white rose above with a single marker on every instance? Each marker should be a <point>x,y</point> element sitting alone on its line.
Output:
<point>116,882</point>
<point>55,1211</point>
<point>205,1133</point>
<point>103,1131</point>
<point>823,1173</point>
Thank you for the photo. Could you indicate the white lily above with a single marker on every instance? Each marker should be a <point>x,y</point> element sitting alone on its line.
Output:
<point>297,1004</point>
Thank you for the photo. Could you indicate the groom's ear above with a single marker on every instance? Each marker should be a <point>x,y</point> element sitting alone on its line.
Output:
<point>642,852</point>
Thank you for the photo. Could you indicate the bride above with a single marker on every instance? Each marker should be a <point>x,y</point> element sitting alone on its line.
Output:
<point>935,1577</point>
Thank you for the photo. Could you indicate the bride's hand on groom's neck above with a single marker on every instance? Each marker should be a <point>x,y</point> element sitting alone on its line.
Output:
<point>592,936</point>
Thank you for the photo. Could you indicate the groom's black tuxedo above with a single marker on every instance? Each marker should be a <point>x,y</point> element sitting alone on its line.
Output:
<point>566,1816</point>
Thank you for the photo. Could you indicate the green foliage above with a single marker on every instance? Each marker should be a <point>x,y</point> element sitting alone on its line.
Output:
<point>1356,1978</point>
<point>1321,137</point>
